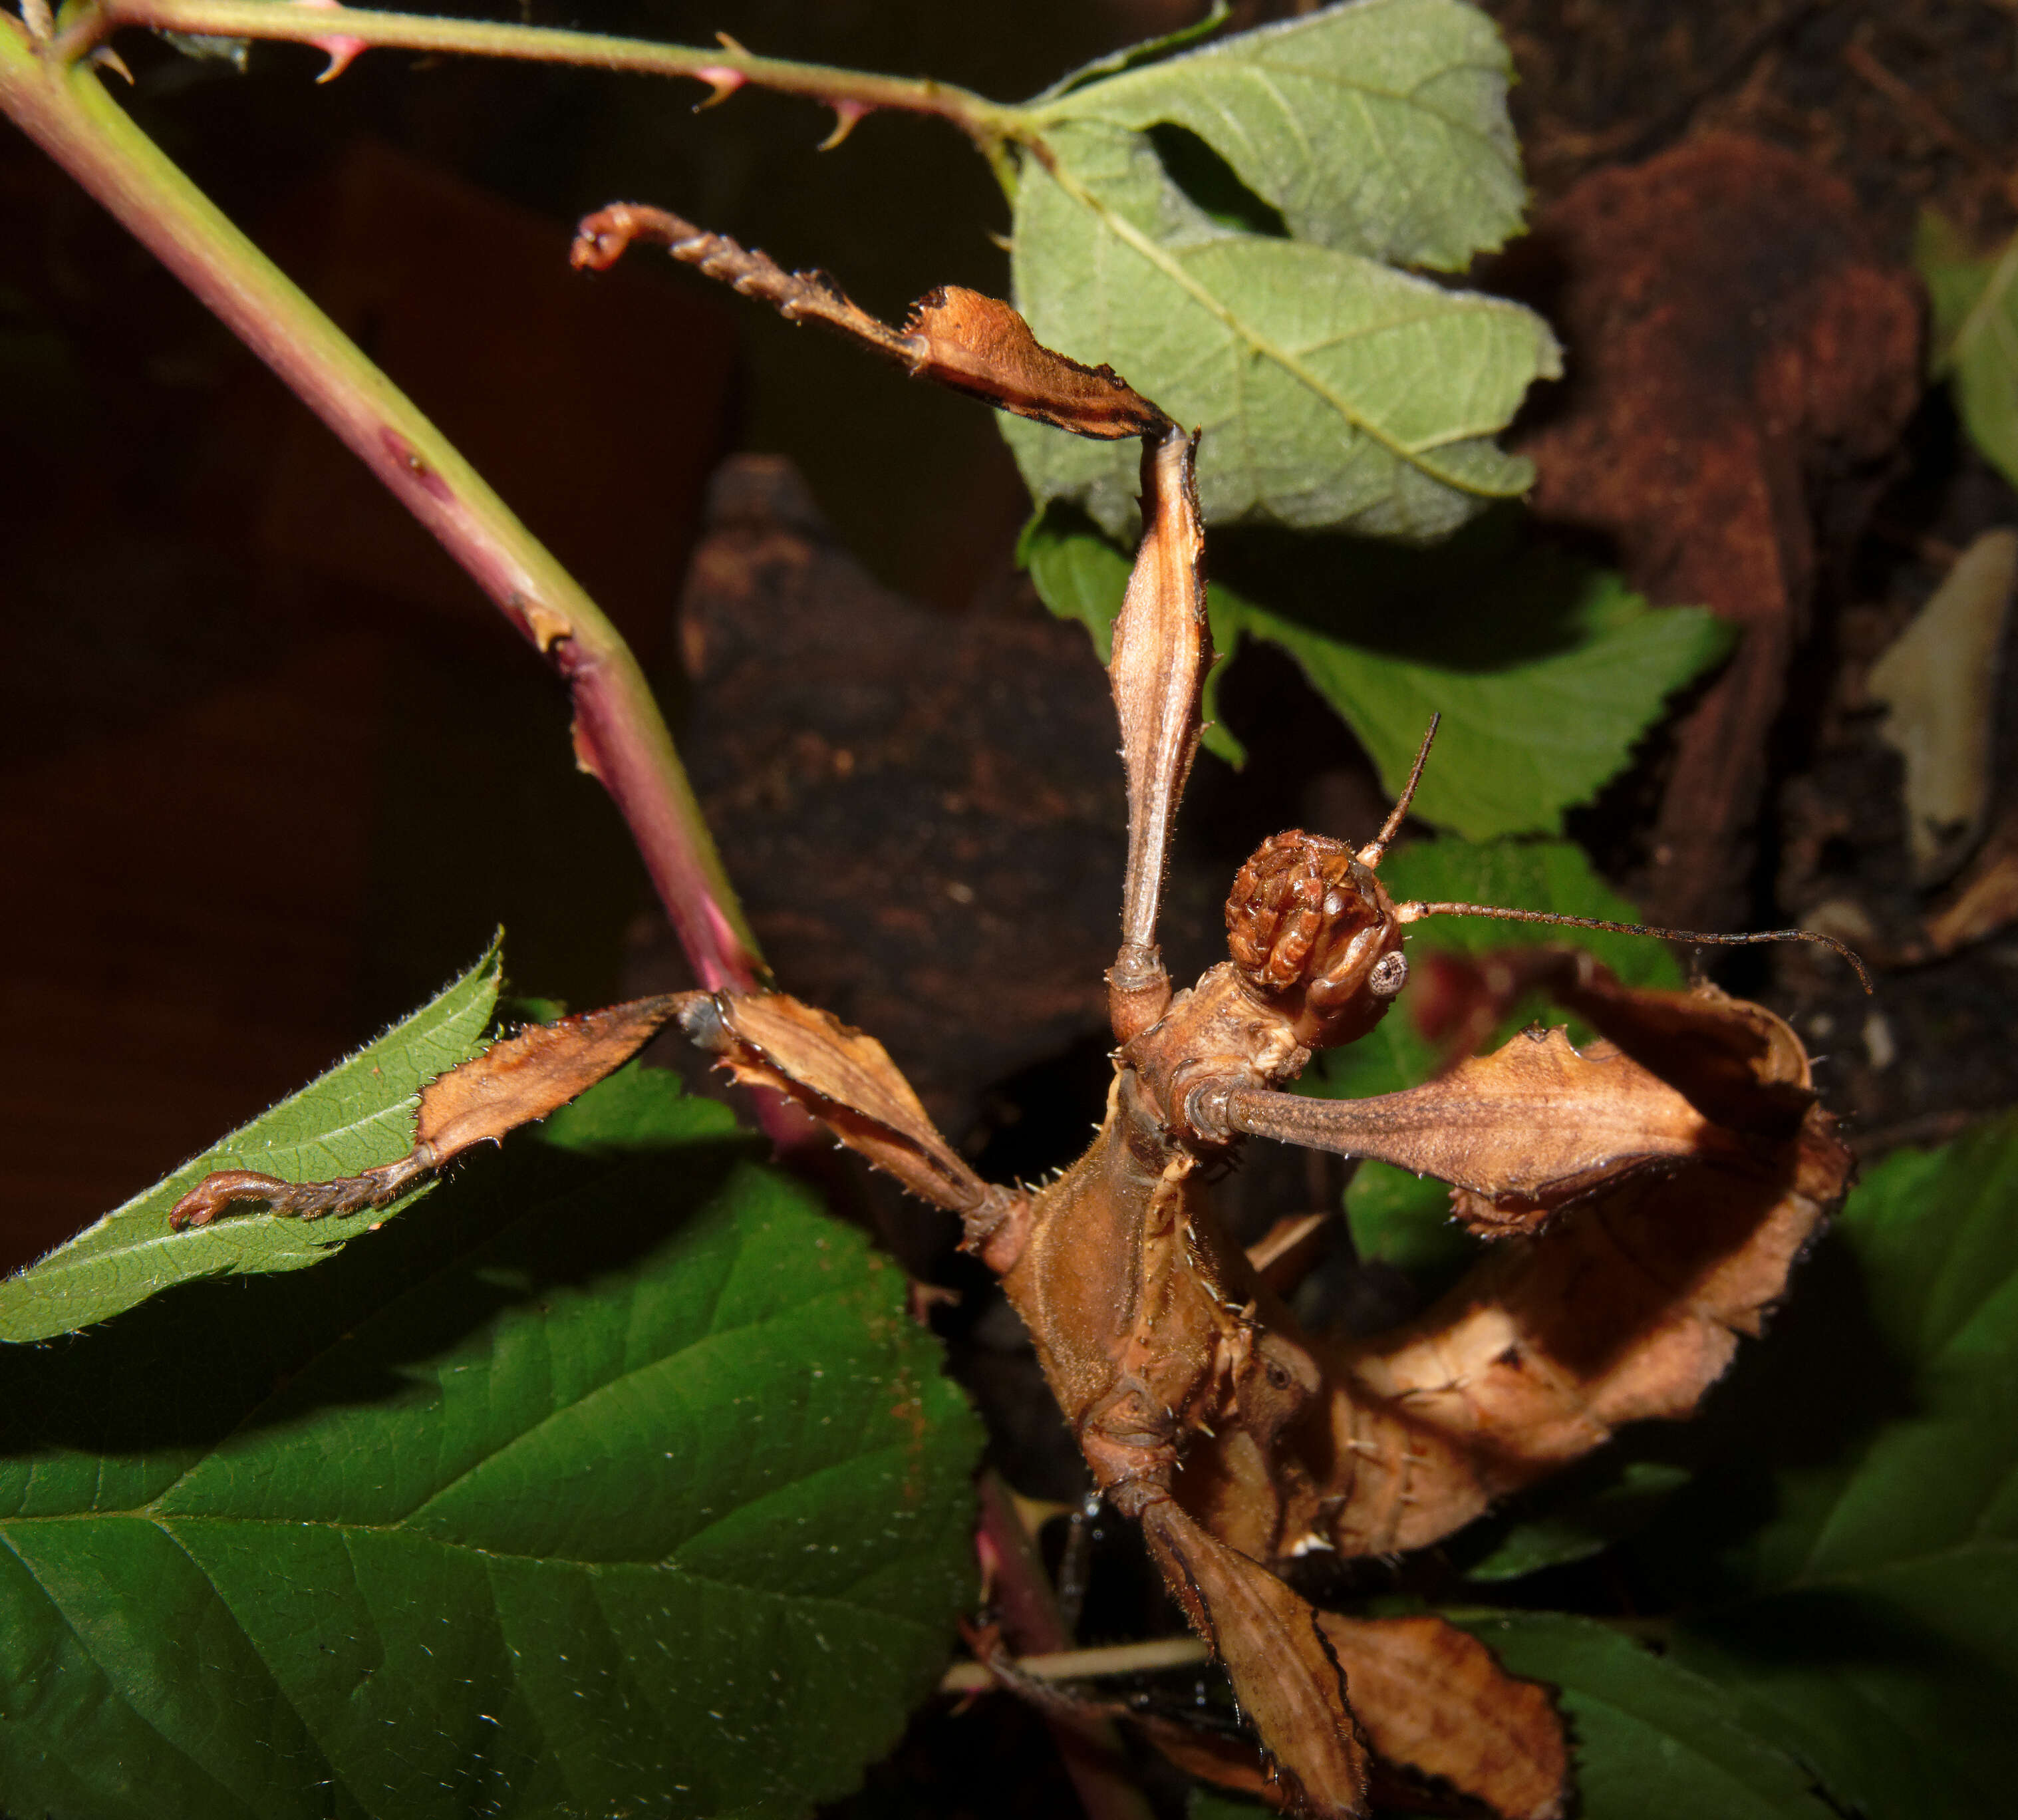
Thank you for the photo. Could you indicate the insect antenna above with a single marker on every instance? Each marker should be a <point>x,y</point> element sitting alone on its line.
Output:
<point>1414,912</point>
<point>1372,853</point>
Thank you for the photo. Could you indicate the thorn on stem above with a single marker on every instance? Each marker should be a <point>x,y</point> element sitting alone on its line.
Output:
<point>845,114</point>
<point>107,58</point>
<point>722,81</point>
<point>342,51</point>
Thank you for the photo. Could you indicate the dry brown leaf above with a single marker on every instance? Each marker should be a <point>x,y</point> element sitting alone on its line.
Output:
<point>1938,684</point>
<point>1710,391</point>
<point>1431,1697</point>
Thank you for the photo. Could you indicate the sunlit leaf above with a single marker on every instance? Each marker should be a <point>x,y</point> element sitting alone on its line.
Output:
<point>621,1482</point>
<point>359,1115</point>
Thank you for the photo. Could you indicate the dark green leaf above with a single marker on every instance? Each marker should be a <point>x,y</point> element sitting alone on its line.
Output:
<point>1583,1526</point>
<point>1653,1741</point>
<point>359,1115</point>
<point>1973,339</point>
<point>1874,1629</point>
<point>622,1482</point>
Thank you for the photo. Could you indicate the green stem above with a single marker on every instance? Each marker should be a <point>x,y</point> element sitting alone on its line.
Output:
<point>620,735</point>
<point>990,125</point>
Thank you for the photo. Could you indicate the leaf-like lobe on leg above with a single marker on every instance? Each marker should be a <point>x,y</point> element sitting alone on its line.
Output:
<point>1525,1129</point>
<point>845,1079</point>
<point>1162,648</point>
<point>516,1081</point>
<point>1284,1673</point>
<point>954,337</point>
<point>978,345</point>
<point>1628,1306</point>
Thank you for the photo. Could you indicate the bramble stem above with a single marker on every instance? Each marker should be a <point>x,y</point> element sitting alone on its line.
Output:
<point>988,124</point>
<point>620,735</point>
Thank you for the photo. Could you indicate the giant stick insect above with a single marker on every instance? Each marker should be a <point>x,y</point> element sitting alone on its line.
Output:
<point>1653,1190</point>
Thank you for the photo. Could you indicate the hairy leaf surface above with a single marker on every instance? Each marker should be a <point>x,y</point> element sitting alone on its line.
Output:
<point>623,1482</point>
<point>1380,128</point>
<point>1333,390</point>
<point>359,1115</point>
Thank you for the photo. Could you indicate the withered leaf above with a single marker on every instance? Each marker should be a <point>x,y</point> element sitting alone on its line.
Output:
<point>1431,1697</point>
<point>516,1081</point>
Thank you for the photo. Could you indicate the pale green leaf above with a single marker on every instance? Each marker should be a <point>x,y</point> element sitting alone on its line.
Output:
<point>1380,128</point>
<point>1872,1622</point>
<point>1973,339</point>
<point>622,1482</point>
<point>1333,391</point>
<point>359,1115</point>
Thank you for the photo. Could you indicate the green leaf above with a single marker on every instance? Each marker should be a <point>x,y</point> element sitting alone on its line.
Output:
<point>1973,342</point>
<point>1544,692</point>
<point>1580,1528</point>
<point>1653,1741</point>
<point>1380,128</point>
<point>359,1115</point>
<point>1333,389</point>
<point>622,1482</point>
<point>1545,686</point>
<point>1874,1627</point>
<point>1079,574</point>
<point>1403,1219</point>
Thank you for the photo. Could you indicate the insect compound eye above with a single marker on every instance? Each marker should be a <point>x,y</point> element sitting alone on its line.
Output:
<point>1390,974</point>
